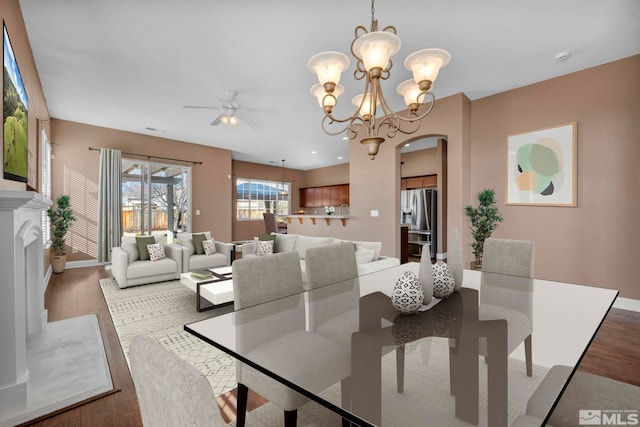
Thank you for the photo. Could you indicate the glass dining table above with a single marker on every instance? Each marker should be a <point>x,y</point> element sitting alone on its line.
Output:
<point>457,361</point>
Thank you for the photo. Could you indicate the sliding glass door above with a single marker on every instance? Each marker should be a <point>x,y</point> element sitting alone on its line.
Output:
<point>155,198</point>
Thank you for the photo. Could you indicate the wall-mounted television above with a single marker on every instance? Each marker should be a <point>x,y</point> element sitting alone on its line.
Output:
<point>15,118</point>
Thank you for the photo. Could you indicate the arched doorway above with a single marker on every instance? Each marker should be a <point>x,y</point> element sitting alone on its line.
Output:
<point>423,197</point>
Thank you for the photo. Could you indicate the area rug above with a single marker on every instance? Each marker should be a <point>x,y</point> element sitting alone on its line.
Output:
<point>160,310</point>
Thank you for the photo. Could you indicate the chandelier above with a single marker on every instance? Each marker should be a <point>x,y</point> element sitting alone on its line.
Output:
<point>373,51</point>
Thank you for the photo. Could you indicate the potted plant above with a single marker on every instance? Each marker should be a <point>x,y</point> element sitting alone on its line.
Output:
<point>484,220</point>
<point>61,218</point>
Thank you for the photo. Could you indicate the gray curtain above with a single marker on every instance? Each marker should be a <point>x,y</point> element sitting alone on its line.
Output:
<point>109,202</point>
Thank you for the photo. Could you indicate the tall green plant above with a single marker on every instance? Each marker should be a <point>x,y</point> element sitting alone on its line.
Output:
<point>61,218</point>
<point>484,220</point>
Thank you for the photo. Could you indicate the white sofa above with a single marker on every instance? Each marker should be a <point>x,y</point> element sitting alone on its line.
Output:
<point>193,261</point>
<point>368,255</point>
<point>129,270</point>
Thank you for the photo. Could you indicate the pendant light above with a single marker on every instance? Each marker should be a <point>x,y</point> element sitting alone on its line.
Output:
<point>283,192</point>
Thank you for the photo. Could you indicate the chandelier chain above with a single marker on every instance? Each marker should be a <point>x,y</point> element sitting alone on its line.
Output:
<point>373,10</point>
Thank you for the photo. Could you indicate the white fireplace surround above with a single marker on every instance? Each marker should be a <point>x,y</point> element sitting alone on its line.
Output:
<point>22,312</point>
<point>44,367</point>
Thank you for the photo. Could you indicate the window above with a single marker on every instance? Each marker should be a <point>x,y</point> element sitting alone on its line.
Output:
<point>254,197</point>
<point>45,184</point>
<point>155,198</point>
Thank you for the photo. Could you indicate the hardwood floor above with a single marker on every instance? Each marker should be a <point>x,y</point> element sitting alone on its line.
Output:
<point>614,353</point>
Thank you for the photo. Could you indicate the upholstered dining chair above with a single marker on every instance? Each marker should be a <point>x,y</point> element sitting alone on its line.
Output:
<point>170,391</point>
<point>271,224</point>
<point>283,341</point>
<point>509,298</point>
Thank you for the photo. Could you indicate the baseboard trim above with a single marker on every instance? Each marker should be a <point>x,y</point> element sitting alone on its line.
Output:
<point>627,304</point>
<point>84,263</point>
<point>47,277</point>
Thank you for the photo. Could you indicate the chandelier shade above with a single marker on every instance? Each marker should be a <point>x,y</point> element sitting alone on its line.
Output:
<point>376,49</point>
<point>374,120</point>
<point>328,66</point>
<point>425,64</point>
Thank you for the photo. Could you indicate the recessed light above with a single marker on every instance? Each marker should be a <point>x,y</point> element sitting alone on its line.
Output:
<point>340,158</point>
<point>314,152</point>
<point>345,138</point>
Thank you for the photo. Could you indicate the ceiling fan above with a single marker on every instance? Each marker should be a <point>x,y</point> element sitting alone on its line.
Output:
<point>232,112</point>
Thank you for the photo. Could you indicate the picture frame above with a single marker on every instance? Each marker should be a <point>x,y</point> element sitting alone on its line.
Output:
<point>542,167</point>
<point>15,118</point>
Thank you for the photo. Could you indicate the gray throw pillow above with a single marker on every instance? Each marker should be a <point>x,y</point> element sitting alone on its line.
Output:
<point>267,237</point>
<point>197,242</point>
<point>142,243</point>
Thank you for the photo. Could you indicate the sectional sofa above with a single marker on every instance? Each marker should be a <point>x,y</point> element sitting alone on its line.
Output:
<point>368,255</point>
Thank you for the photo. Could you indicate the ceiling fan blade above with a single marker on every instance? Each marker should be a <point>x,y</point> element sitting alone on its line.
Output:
<point>202,106</point>
<point>217,120</point>
<point>248,121</point>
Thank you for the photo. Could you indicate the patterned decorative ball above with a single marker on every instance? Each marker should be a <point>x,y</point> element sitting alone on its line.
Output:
<point>443,283</point>
<point>407,294</point>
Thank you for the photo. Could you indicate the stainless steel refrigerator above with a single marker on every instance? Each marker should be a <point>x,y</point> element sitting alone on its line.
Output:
<point>418,208</point>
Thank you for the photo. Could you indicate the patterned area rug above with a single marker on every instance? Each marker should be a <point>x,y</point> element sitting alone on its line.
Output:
<point>161,310</point>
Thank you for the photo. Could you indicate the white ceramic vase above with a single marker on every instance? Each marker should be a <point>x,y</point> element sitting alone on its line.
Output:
<point>425,276</point>
<point>454,258</point>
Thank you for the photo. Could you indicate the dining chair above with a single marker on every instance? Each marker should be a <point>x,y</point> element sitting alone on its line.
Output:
<point>170,391</point>
<point>270,224</point>
<point>284,340</point>
<point>506,291</point>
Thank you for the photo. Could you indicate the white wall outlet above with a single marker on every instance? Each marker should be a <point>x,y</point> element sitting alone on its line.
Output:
<point>375,212</point>
<point>197,211</point>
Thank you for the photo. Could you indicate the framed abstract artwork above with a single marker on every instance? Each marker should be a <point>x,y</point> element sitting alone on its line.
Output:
<point>542,167</point>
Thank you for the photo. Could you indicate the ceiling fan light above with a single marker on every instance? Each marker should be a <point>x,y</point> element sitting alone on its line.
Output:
<point>224,119</point>
<point>376,48</point>
<point>233,120</point>
<point>328,66</point>
<point>425,64</point>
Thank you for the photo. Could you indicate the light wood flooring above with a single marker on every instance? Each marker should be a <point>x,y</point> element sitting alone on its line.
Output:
<point>614,353</point>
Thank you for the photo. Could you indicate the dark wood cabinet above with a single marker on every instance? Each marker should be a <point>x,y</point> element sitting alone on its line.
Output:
<point>330,195</point>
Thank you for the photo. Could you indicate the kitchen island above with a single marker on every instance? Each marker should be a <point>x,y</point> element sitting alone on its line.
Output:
<point>312,218</point>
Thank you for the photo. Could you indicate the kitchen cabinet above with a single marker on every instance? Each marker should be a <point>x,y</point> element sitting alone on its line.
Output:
<point>426,181</point>
<point>329,195</point>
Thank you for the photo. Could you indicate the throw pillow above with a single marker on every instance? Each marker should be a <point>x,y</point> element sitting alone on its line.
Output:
<point>156,251</point>
<point>264,247</point>
<point>197,242</point>
<point>142,243</point>
<point>364,255</point>
<point>209,247</point>
<point>265,237</point>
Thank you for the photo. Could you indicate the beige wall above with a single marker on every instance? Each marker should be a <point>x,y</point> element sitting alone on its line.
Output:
<point>419,163</point>
<point>75,172</point>
<point>595,243</point>
<point>375,184</point>
<point>331,175</point>
<point>249,229</point>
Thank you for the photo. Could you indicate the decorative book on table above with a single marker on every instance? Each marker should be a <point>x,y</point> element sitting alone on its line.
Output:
<point>201,274</point>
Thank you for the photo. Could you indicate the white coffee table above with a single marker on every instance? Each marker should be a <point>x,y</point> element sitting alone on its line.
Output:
<point>217,290</point>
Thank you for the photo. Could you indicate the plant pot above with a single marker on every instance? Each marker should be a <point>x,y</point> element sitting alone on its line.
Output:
<point>476,265</point>
<point>58,263</point>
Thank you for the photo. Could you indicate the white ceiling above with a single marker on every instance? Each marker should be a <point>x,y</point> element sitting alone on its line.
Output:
<point>133,64</point>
